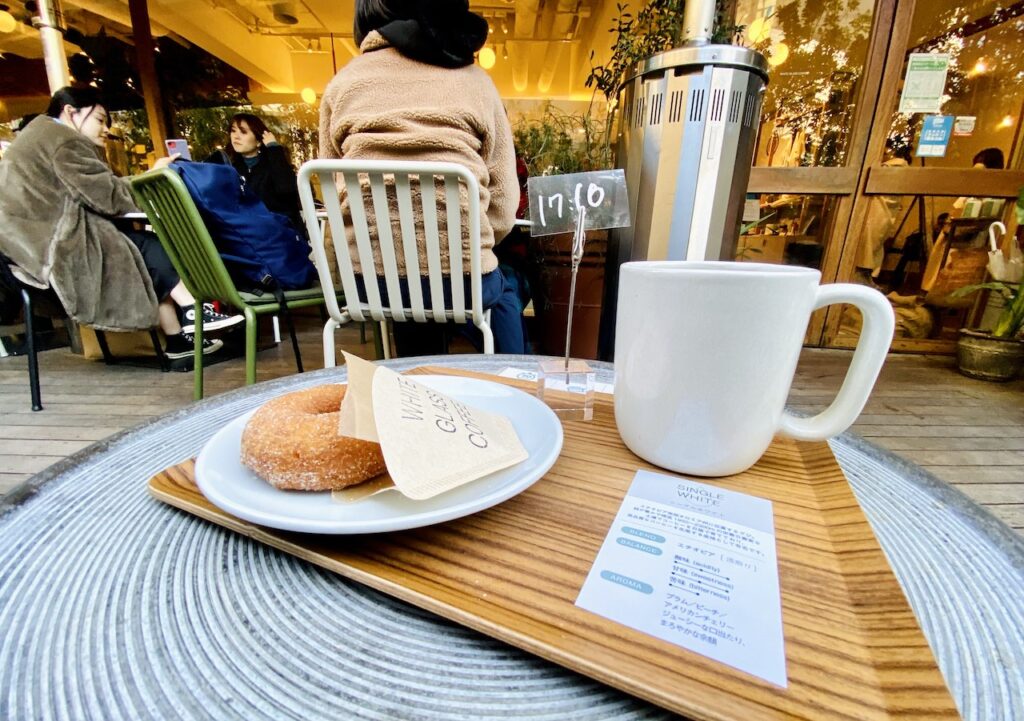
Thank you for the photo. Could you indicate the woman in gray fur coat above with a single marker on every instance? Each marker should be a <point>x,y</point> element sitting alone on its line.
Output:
<point>57,229</point>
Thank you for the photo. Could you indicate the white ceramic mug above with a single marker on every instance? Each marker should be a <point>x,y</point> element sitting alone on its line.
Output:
<point>705,354</point>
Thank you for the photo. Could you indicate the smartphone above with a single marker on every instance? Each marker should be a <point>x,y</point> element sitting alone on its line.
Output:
<point>179,146</point>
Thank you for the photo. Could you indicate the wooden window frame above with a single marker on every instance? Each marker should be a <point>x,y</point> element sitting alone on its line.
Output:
<point>877,180</point>
<point>841,181</point>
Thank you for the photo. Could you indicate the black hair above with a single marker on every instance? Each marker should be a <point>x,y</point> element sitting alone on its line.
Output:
<point>374,14</point>
<point>991,158</point>
<point>253,122</point>
<point>439,32</point>
<point>256,126</point>
<point>77,98</point>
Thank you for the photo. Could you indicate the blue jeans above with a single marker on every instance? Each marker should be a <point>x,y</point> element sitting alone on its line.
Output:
<point>497,296</point>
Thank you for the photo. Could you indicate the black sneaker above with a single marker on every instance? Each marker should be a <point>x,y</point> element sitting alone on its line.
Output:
<point>211,319</point>
<point>183,345</point>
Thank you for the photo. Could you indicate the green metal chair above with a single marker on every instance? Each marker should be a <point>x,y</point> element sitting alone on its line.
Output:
<point>163,197</point>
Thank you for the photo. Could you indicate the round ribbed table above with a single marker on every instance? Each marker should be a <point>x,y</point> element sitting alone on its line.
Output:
<point>115,606</point>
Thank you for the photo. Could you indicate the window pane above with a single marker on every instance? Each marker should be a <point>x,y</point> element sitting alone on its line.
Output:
<point>817,51</point>
<point>984,85</point>
<point>920,269</point>
<point>792,229</point>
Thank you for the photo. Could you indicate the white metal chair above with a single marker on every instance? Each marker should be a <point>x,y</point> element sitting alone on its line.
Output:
<point>399,178</point>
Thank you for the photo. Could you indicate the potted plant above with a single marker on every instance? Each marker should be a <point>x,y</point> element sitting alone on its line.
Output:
<point>998,354</point>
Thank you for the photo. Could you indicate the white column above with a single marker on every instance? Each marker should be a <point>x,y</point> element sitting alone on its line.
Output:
<point>50,23</point>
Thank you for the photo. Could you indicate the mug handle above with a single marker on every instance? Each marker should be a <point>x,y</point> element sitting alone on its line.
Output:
<point>872,347</point>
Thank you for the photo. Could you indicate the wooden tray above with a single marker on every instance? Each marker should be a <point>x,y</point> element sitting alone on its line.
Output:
<point>853,647</point>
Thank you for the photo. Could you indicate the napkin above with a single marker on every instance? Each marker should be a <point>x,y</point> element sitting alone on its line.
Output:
<point>431,443</point>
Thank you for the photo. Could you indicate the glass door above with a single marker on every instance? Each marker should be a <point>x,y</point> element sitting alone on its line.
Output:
<point>826,63</point>
<point>933,182</point>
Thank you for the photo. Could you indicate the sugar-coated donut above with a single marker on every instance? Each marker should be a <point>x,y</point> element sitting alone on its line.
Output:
<point>292,442</point>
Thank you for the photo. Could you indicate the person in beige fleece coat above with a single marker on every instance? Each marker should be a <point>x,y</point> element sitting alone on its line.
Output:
<point>414,93</point>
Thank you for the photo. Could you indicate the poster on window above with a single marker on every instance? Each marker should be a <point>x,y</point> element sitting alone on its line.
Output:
<point>934,138</point>
<point>925,83</point>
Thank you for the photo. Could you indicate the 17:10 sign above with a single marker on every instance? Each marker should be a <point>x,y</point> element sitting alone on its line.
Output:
<point>555,200</point>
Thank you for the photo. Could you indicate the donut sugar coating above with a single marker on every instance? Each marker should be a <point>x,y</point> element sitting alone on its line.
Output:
<point>292,442</point>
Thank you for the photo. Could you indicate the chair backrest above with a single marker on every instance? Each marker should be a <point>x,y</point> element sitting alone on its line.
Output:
<point>396,179</point>
<point>163,197</point>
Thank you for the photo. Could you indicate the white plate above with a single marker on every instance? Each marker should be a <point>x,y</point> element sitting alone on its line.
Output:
<point>232,487</point>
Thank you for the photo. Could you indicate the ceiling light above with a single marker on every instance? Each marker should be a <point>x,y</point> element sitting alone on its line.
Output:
<point>308,96</point>
<point>487,58</point>
<point>309,46</point>
<point>7,21</point>
<point>980,68</point>
<point>504,51</point>
<point>1006,122</point>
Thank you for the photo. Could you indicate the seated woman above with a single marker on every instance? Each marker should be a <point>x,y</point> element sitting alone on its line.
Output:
<point>57,227</point>
<point>990,159</point>
<point>415,94</point>
<point>254,152</point>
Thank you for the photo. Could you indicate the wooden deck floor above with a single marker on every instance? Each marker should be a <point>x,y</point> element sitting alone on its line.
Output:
<point>968,433</point>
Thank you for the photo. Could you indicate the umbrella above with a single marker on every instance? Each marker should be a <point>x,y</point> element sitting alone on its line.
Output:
<point>999,267</point>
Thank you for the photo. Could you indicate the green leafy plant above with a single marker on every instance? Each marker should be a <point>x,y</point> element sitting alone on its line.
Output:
<point>656,27</point>
<point>1011,320</point>
<point>747,227</point>
<point>559,142</point>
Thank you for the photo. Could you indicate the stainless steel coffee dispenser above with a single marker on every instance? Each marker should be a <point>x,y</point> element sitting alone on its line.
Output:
<point>687,123</point>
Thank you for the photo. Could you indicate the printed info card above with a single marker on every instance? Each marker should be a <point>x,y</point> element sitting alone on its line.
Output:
<point>694,565</point>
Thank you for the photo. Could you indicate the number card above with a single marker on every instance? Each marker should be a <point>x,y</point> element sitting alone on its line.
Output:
<point>554,200</point>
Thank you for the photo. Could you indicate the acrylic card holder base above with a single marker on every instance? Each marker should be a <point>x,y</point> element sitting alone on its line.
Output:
<point>854,649</point>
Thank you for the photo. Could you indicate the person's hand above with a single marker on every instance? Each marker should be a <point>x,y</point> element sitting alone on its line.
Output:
<point>164,162</point>
<point>268,138</point>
